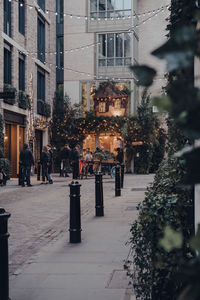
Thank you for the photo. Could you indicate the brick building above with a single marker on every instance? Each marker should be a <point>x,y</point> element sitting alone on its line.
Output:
<point>28,74</point>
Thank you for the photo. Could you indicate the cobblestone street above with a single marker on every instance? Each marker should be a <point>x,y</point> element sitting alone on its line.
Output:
<point>40,213</point>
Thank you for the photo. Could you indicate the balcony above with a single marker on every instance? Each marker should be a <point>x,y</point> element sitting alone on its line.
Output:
<point>9,94</point>
<point>23,100</point>
<point>43,108</point>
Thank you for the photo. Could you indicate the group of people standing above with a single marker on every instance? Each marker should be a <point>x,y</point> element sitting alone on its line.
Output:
<point>70,157</point>
<point>27,162</point>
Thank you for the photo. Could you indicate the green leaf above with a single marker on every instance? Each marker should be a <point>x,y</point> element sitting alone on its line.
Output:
<point>171,239</point>
<point>163,103</point>
<point>144,74</point>
<point>179,50</point>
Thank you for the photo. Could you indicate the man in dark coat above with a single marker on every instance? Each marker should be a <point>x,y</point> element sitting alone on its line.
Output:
<point>120,155</point>
<point>65,160</point>
<point>26,160</point>
<point>75,161</point>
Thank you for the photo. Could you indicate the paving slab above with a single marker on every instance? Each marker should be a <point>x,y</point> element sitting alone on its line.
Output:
<point>92,269</point>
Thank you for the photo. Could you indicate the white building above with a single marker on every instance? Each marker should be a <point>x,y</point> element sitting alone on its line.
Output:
<point>102,38</point>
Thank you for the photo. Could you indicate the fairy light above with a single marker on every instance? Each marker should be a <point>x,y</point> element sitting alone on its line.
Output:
<point>65,14</point>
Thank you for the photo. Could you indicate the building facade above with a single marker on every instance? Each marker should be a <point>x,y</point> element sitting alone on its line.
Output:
<point>103,38</point>
<point>28,75</point>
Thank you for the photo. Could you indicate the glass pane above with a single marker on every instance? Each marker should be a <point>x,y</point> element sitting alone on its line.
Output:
<point>127,44</point>
<point>110,5</point>
<point>93,5</point>
<point>102,62</point>
<point>102,5</point>
<point>110,45</point>
<point>119,62</point>
<point>102,14</point>
<point>110,62</point>
<point>127,13</point>
<point>127,61</point>
<point>93,15</point>
<point>119,45</point>
<point>102,45</point>
<point>127,4</point>
<point>118,4</point>
<point>119,13</point>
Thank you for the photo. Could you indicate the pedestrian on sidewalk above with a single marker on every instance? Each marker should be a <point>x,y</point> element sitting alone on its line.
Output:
<point>65,160</point>
<point>45,162</point>
<point>75,161</point>
<point>50,166</point>
<point>26,161</point>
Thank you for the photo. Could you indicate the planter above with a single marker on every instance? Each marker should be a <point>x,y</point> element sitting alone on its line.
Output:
<point>23,100</point>
<point>43,108</point>
<point>9,94</point>
<point>47,110</point>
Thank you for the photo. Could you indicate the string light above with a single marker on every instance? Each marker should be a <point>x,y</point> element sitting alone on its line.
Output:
<point>65,14</point>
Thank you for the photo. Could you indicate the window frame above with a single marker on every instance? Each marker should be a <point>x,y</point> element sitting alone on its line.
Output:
<point>21,18</point>
<point>42,4</point>
<point>102,107</point>
<point>108,12</point>
<point>41,36</point>
<point>7,23</point>
<point>106,60</point>
<point>7,76</point>
<point>41,84</point>
<point>22,70</point>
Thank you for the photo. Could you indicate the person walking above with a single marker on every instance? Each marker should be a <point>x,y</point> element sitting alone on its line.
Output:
<point>120,155</point>
<point>50,164</point>
<point>65,160</point>
<point>27,161</point>
<point>88,160</point>
<point>75,161</point>
<point>45,161</point>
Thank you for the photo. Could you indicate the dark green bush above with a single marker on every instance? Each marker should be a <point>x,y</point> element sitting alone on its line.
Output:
<point>166,203</point>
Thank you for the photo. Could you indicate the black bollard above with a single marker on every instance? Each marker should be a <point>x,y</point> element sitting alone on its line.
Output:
<point>75,213</point>
<point>117,181</point>
<point>99,195</point>
<point>122,175</point>
<point>4,274</point>
<point>38,170</point>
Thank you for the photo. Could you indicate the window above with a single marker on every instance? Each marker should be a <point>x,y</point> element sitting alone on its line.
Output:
<point>102,107</point>
<point>60,11</point>
<point>41,4</point>
<point>7,17</point>
<point>41,84</point>
<point>60,54</point>
<point>117,104</point>
<point>21,72</point>
<point>21,17</point>
<point>7,64</point>
<point>41,39</point>
<point>110,8</point>
<point>115,49</point>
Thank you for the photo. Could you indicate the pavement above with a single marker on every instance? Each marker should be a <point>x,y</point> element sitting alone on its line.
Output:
<point>92,269</point>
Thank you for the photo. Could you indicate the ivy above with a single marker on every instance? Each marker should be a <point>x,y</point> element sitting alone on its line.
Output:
<point>165,258</point>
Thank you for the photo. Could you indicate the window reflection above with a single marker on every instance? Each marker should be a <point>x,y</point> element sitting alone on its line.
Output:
<point>115,49</point>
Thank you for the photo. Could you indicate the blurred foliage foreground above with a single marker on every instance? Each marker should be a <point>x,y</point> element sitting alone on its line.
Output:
<point>165,253</point>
